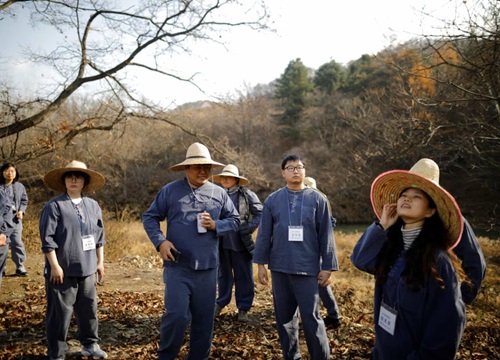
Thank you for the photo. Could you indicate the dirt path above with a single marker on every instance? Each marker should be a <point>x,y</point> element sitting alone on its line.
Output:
<point>135,274</point>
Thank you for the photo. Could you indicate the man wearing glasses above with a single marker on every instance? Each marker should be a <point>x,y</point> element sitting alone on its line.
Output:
<point>295,240</point>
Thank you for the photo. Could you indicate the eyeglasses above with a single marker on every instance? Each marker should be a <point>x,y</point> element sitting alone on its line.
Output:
<point>293,168</point>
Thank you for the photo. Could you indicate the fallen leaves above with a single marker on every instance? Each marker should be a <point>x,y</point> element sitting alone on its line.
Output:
<point>130,320</point>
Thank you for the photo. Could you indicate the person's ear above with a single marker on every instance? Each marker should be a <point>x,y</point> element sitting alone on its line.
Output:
<point>430,213</point>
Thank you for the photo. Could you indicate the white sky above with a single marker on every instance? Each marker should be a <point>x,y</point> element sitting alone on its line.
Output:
<point>317,31</point>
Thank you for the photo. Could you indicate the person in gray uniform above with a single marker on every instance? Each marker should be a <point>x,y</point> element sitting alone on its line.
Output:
<point>72,235</point>
<point>16,202</point>
<point>295,239</point>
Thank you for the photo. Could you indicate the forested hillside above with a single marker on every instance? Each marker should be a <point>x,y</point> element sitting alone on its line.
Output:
<point>435,97</point>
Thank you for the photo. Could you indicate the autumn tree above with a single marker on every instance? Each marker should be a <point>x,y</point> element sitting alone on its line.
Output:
<point>100,42</point>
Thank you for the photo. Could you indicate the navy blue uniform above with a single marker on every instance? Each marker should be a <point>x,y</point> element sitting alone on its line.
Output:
<point>430,321</point>
<point>190,283</point>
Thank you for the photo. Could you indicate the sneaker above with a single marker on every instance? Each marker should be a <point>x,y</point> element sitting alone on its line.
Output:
<point>242,315</point>
<point>21,272</point>
<point>95,351</point>
<point>331,322</point>
<point>218,310</point>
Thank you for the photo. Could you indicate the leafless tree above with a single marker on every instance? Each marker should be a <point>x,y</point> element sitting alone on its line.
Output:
<point>100,42</point>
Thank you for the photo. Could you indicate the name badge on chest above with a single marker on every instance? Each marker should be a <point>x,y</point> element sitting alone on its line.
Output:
<point>295,233</point>
<point>88,242</point>
<point>387,318</point>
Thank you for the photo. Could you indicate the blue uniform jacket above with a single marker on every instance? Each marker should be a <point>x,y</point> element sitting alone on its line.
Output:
<point>179,204</point>
<point>293,257</point>
<point>61,231</point>
<point>473,263</point>
<point>430,321</point>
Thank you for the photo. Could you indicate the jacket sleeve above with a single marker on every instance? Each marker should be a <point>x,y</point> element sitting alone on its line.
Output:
<point>152,217</point>
<point>23,201</point>
<point>444,316</point>
<point>365,252</point>
<point>2,212</point>
<point>329,260</point>
<point>473,263</point>
<point>255,210</point>
<point>229,219</point>
<point>48,226</point>
<point>262,252</point>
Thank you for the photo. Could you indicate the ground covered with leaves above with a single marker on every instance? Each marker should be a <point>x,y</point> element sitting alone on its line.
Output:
<point>131,304</point>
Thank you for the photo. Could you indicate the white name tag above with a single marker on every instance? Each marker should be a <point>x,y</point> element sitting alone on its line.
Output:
<point>387,318</point>
<point>295,233</point>
<point>88,242</point>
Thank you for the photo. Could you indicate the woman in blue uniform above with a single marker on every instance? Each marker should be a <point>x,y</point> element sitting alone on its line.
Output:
<point>418,308</point>
<point>72,234</point>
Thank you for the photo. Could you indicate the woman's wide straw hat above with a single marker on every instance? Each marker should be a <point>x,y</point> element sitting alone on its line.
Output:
<point>424,175</point>
<point>232,171</point>
<point>197,154</point>
<point>54,178</point>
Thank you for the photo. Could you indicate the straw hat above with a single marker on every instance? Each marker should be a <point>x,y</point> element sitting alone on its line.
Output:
<point>53,179</point>
<point>232,171</point>
<point>309,181</point>
<point>424,175</point>
<point>197,154</point>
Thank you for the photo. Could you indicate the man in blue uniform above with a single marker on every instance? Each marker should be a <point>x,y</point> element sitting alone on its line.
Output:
<point>296,240</point>
<point>197,213</point>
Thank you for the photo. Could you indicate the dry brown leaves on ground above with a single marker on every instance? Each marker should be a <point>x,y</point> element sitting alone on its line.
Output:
<point>129,323</point>
<point>130,309</point>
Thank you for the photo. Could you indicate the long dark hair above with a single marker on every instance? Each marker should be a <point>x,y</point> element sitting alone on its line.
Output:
<point>421,259</point>
<point>5,167</point>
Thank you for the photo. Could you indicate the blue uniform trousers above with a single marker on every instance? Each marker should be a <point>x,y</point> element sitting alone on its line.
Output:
<point>293,294</point>
<point>189,297</point>
<point>17,249</point>
<point>78,294</point>
<point>328,300</point>
<point>235,268</point>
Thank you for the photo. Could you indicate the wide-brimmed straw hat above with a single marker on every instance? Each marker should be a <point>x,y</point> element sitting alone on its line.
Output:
<point>196,154</point>
<point>309,181</point>
<point>54,178</point>
<point>232,171</point>
<point>424,175</point>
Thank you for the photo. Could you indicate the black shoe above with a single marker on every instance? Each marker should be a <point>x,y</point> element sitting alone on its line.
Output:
<point>21,273</point>
<point>331,322</point>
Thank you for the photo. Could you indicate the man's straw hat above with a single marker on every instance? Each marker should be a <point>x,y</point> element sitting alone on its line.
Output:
<point>232,171</point>
<point>309,181</point>
<point>424,175</point>
<point>54,178</point>
<point>197,154</point>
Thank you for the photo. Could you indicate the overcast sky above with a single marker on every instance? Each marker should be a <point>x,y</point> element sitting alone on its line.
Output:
<point>317,31</point>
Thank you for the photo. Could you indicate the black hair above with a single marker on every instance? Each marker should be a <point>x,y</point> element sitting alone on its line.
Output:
<point>421,261</point>
<point>290,157</point>
<point>5,167</point>
<point>85,176</point>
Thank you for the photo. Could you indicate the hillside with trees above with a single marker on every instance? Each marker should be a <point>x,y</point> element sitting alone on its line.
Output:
<point>433,96</point>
